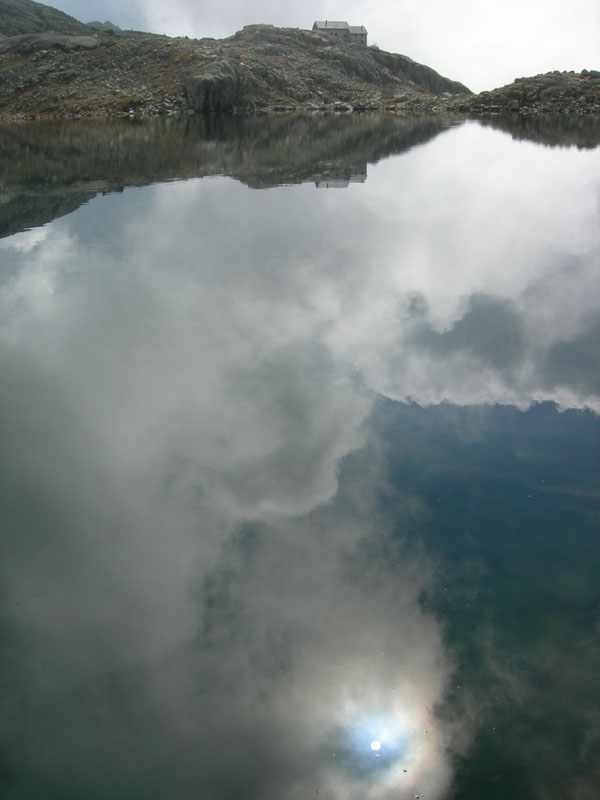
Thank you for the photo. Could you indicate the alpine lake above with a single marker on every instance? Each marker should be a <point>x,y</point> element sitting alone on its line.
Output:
<point>300,459</point>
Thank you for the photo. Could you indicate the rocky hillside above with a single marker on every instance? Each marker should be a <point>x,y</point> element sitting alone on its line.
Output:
<point>53,65</point>
<point>95,72</point>
<point>24,16</point>
<point>555,93</point>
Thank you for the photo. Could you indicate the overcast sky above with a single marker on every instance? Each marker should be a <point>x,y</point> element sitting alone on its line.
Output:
<point>480,43</point>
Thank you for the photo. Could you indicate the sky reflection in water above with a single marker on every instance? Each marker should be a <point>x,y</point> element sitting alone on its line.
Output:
<point>265,502</point>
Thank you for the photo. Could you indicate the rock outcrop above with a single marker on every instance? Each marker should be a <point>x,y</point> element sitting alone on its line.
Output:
<point>216,88</point>
<point>552,93</point>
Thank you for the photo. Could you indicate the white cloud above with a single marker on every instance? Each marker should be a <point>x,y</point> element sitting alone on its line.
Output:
<point>25,241</point>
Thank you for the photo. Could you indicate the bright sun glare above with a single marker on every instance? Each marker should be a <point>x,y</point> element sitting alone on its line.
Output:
<point>376,744</point>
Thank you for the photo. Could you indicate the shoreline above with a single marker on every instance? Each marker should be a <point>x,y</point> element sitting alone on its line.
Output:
<point>413,110</point>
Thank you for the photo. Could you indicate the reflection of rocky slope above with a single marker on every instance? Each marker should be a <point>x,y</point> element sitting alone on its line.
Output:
<point>554,131</point>
<point>50,169</point>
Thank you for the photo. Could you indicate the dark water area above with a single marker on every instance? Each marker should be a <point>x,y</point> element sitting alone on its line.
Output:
<point>300,475</point>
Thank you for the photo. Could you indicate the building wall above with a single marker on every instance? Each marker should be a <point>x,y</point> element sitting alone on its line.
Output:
<point>339,33</point>
<point>347,33</point>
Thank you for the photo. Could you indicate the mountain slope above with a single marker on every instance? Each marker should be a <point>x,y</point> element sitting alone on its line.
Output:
<point>25,16</point>
<point>259,68</point>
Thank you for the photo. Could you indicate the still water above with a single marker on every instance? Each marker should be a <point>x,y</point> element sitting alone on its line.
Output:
<point>300,475</point>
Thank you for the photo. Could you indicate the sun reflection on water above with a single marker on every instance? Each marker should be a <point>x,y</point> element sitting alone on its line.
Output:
<point>390,751</point>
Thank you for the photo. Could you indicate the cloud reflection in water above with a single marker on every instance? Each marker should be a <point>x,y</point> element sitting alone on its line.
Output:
<point>213,587</point>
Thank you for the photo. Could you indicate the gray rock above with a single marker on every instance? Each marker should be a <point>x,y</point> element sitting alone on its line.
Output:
<point>43,42</point>
<point>216,88</point>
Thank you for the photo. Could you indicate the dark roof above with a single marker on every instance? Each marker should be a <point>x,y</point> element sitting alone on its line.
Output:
<point>330,24</point>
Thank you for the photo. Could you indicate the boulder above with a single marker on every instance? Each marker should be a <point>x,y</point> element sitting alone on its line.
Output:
<point>216,88</point>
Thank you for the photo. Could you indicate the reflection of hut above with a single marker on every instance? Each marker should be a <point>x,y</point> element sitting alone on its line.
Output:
<point>332,183</point>
<point>356,34</point>
<point>324,182</point>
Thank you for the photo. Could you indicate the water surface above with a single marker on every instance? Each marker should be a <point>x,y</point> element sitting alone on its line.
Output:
<point>300,477</point>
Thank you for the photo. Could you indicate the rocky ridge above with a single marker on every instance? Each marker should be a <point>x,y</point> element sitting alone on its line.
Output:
<point>573,93</point>
<point>51,65</point>
<point>24,16</point>
<point>83,71</point>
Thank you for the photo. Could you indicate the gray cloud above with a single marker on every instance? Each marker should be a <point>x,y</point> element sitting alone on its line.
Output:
<point>490,330</point>
<point>575,363</point>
